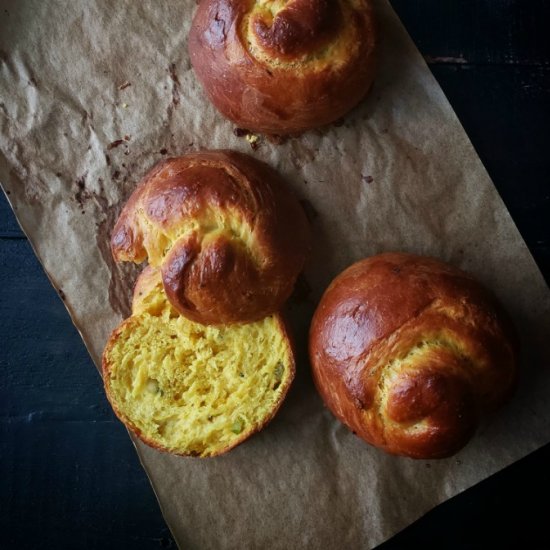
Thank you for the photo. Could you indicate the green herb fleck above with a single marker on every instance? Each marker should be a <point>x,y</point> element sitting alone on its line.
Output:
<point>237,426</point>
<point>279,369</point>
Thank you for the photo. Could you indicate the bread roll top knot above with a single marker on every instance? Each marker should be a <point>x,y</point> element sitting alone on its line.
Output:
<point>409,352</point>
<point>228,236</point>
<point>295,28</point>
<point>283,66</point>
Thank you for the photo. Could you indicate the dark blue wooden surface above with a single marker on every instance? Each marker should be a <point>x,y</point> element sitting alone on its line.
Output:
<point>69,476</point>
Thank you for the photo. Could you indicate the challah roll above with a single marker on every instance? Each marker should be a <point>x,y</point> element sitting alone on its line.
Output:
<point>228,236</point>
<point>283,66</point>
<point>408,352</point>
<point>191,389</point>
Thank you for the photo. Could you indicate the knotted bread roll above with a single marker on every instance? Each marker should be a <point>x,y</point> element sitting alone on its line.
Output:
<point>408,351</point>
<point>191,389</point>
<point>283,66</point>
<point>229,237</point>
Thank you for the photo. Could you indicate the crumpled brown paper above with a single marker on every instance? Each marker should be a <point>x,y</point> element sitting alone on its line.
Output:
<point>93,93</point>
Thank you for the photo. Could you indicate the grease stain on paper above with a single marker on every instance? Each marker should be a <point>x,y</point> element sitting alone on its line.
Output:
<point>122,276</point>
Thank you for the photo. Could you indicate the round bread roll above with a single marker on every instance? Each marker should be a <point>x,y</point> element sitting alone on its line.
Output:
<point>191,389</point>
<point>408,352</point>
<point>229,237</point>
<point>283,66</point>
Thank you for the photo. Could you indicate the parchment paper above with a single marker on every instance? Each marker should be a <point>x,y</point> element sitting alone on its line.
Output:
<point>93,93</point>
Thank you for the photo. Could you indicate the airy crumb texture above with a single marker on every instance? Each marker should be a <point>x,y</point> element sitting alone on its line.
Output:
<point>192,389</point>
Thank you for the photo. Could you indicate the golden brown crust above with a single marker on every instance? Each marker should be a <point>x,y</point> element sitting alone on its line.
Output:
<point>408,351</point>
<point>283,70</point>
<point>227,234</point>
<point>302,25</point>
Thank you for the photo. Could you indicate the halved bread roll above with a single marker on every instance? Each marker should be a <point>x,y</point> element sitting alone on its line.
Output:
<point>192,389</point>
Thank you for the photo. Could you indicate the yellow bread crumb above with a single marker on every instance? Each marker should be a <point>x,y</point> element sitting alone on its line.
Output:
<point>193,389</point>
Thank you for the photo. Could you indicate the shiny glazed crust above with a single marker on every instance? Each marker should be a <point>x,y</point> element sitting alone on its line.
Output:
<point>145,283</point>
<point>283,67</point>
<point>229,237</point>
<point>408,351</point>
